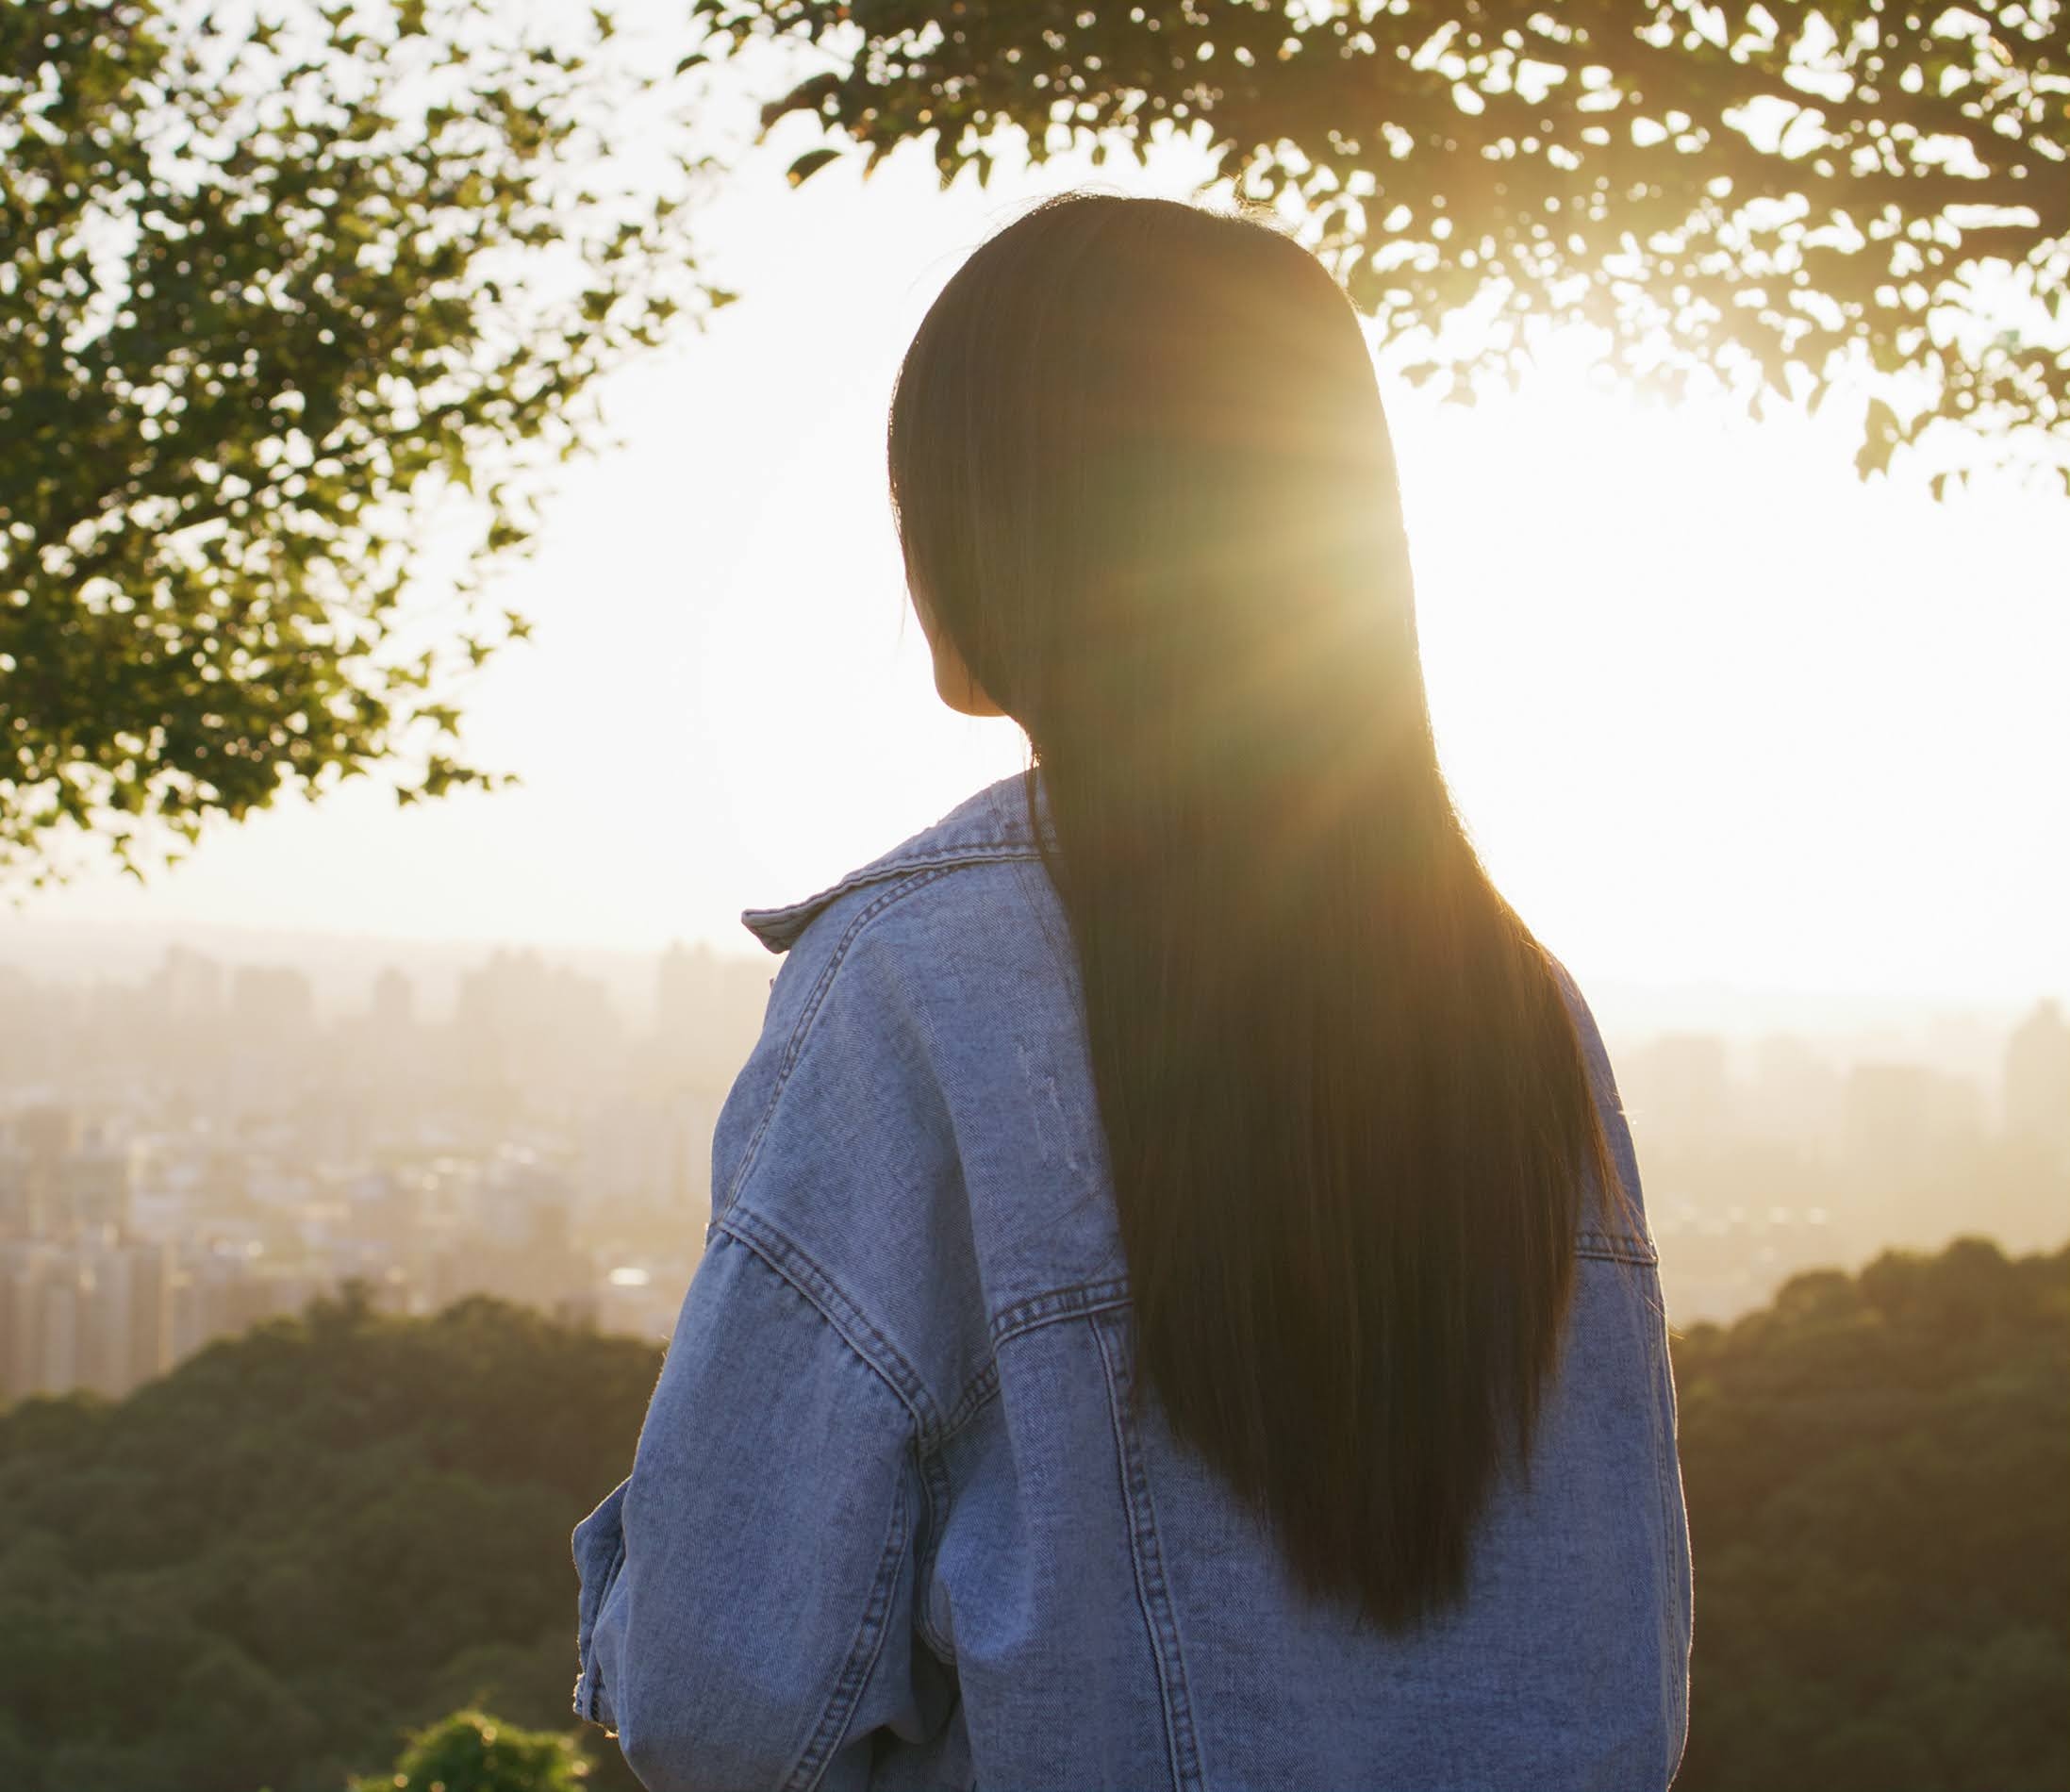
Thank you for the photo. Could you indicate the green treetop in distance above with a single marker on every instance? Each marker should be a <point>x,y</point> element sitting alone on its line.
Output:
<point>270,291</point>
<point>1862,192</point>
<point>471,1751</point>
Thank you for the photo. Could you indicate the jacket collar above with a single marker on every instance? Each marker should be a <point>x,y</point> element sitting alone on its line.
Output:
<point>991,824</point>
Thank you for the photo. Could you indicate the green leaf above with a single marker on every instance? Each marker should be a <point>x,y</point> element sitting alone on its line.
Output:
<point>809,164</point>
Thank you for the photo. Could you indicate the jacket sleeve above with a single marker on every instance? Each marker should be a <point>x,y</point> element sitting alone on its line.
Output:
<point>747,1609</point>
<point>746,1604</point>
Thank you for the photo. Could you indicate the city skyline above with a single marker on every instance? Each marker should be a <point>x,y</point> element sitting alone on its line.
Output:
<point>192,1152</point>
<point>342,964</point>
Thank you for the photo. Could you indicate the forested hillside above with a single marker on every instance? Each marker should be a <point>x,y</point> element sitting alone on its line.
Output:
<point>1878,1470</point>
<point>262,1570</point>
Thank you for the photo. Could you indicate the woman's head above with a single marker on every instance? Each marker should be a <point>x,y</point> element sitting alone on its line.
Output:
<point>1146,494</point>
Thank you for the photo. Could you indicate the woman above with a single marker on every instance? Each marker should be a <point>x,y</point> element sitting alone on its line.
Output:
<point>1177,1310</point>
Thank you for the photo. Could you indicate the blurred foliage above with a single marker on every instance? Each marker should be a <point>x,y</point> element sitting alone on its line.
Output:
<point>1875,1468</point>
<point>269,289</point>
<point>472,1752</point>
<point>267,1567</point>
<point>261,1571</point>
<point>1860,193</point>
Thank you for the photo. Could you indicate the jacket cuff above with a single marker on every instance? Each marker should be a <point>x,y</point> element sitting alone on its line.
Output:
<point>600,1554</point>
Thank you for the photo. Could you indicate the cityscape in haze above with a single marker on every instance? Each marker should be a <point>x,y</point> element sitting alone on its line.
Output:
<point>214,1104</point>
<point>194,1152</point>
<point>212,1140</point>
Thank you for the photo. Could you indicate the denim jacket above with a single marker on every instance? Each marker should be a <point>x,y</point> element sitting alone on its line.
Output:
<point>889,1523</point>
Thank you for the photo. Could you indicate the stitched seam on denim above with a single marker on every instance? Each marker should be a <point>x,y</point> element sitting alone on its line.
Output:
<point>794,1046</point>
<point>934,1475</point>
<point>593,1608</point>
<point>1655,1352</point>
<point>940,859</point>
<point>907,882</point>
<point>756,1235</point>
<point>1603,1244</point>
<point>604,1592</point>
<point>983,1389</point>
<point>1151,1592</point>
<point>862,1656</point>
<point>1662,1364</point>
<point>1015,1321</point>
<point>974,1398</point>
<point>977,1394</point>
<point>1059,1304</point>
<point>590,1681</point>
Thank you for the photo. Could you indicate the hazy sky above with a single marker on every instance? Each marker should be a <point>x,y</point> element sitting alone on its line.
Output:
<point>1712,709</point>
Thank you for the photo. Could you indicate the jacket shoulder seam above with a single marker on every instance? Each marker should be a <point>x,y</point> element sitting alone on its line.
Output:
<point>799,1034</point>
<point>905,882</point>
<point>847,1320</point>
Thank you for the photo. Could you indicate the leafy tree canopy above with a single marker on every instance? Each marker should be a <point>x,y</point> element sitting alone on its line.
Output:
<point>265,1569</point>
<point>471,1751</point>
<point>268,293</point>
<point>1796,198</point>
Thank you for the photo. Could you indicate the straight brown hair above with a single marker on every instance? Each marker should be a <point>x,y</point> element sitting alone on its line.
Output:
<point>1143,478</point>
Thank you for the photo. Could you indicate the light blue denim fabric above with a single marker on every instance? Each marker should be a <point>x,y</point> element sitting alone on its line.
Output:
<point>889,1524</point>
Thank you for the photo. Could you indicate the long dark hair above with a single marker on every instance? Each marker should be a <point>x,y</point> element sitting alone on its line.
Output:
<point>1143,479</point>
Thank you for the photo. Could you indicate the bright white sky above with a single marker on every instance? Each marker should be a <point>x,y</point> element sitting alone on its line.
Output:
<point>1712,709</point>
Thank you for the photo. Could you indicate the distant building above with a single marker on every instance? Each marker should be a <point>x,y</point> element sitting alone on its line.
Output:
<point>1795,1096</point>
<point>46,1132</point>
<point>125,1315</point>
<point>55,1331</point>
<point>97,1313</point>
<point>188,987</point>
<point>20,1217</point>
<point>1678,1088</point>
<point>394,1001</point>
<point>272,1025</point>
<point>1903,1123</point>
<point>686,983</point>
<point>708,1009</point>
<point>93,1183</point>
<point>21,1321</point>
<point>543,1028</point>
<point>58,1172</point>
<point>272,1001</point>
<point>2037,1080</point>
